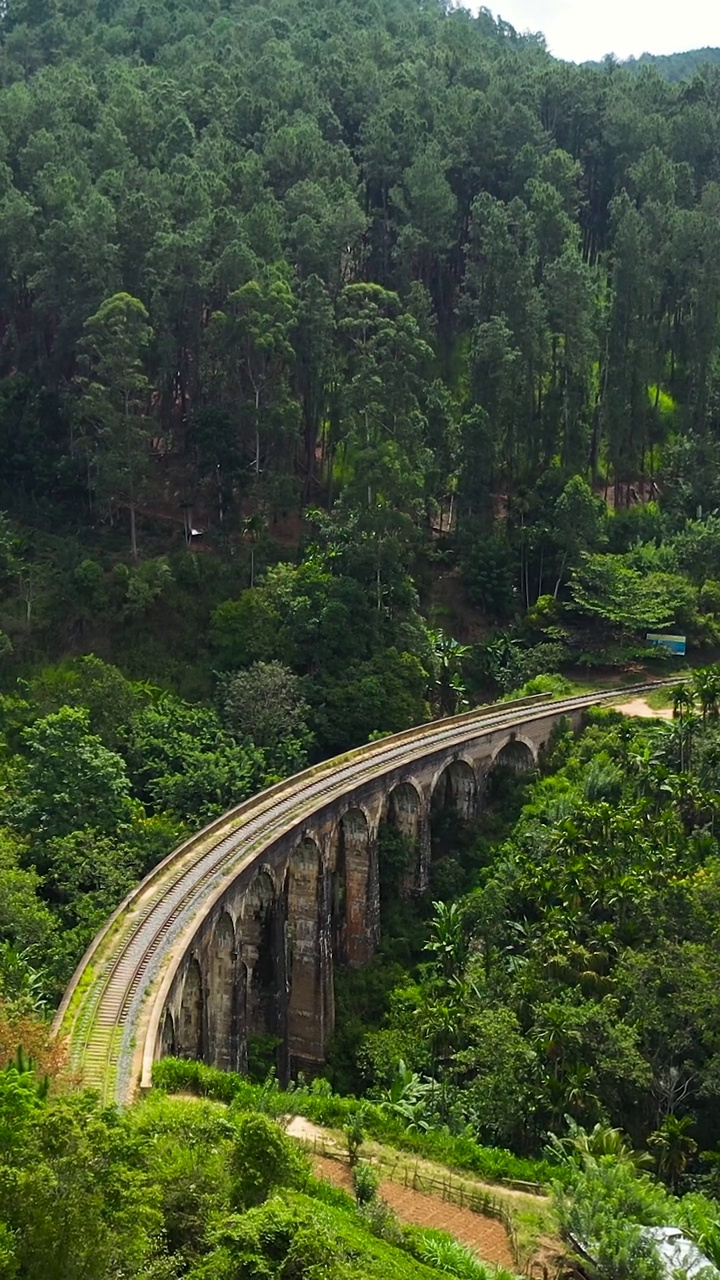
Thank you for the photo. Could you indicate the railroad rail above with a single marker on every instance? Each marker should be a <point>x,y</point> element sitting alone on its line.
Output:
<point>110,1012</point>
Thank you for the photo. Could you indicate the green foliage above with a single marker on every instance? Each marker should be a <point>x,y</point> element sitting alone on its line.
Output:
<point>488,574</point>
<point>603,1209</point>
<point>244,631</point>
<point>407,1097</point>
<point>448,656</point>
<point>185,1149</point>
<point>552,685</point>
<point>162,1191</point>
<point>265,704</point>
<point>331,300</point>
<point>388,340</point>
<point>511,665</point>
<point>24,918</point>
<point>262,1158</point>
<point>354,1135</point>
<point>579,523</point>
<point>184,764</point>
<point>700,1220</point>
<point>294,1235</point>
<point>69,779</point>
<point>448,940</point>
<point>709,597</point>
<point>108,697</point>
<point>673,1146</point>
<point>605,588</point>
<point>396,854</point>
<point>8,1259</point>
<point>74,1194</point>
<point>439,1250</point>
<point>366,1181</point>
<point>673,66</point>
<point>262,1056</point>
<point>113,393</point>
<point>386,694</point>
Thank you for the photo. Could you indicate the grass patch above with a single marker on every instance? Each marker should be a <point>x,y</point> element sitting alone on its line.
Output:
<point>660,699</point>
<point>534,1223</point>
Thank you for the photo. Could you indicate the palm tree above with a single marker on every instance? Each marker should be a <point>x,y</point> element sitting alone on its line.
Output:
<point>683,701</point>
<point>582,1147</point>
<point>683,706</point>
<point>554,1036</point>
<point>673,1147</point>
<point>448,939</point>
<point>448,655</point>
<point>579,1088</point>
<point>706,688</point>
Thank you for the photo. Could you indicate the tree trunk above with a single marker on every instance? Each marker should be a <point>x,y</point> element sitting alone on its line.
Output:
<point>131,481</point>
<point>257,431</point>
<point>133,531</point>
<point>560,576</point>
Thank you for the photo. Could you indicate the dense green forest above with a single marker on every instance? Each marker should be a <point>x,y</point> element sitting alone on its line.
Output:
<point>568,964</point>
<point>358,362</point>
<point>378,291</point>
<point>672,66</point>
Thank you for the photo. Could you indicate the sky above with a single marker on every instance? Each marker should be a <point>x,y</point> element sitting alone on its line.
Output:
<point>580,30</point>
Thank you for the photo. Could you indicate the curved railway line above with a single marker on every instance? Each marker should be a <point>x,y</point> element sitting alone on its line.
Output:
<point>111,1009</point>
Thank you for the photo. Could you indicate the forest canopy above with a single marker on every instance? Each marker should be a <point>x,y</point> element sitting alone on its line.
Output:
<point>384,293</point>
<point>358,362</point>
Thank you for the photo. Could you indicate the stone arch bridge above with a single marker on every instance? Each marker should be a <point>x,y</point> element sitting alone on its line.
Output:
<point>237,932</point>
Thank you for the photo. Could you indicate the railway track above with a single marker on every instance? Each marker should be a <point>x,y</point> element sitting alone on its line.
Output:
<point>122,971</point>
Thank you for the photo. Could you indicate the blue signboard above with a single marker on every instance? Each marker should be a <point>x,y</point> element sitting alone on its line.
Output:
<point>673,644</point>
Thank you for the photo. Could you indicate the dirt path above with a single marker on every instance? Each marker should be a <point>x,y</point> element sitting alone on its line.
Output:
<point>639,707</point>
<point>307,1131</point>
<point>486,1236</point>
<point>299,1127</point>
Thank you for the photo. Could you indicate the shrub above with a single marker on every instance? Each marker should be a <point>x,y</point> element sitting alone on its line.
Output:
<point>710,597</point>
<point>354,1135</point>
<point>366,1181</point>
<point>553,685</point>
<point>439,1250</point>
<point>379,1218</point>
<point>489,572</point>
<point>263,1158</point>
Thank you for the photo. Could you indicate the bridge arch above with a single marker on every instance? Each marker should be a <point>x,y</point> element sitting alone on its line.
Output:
<point>357,884</point>
<point>404,807</point>
<point>406,812</point>
<point>190,1031</point>
<point>168,1040</point>
<point>260,969</point>
<point>517,754</point>
<point>455,787</point>
<point>303,946</point>
<point>222,996</point>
